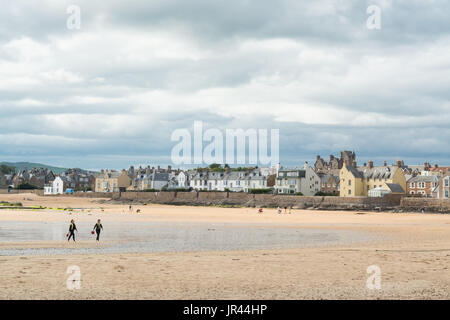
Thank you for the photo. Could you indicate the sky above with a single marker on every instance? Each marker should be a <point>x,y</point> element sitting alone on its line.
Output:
<point>110,93</point>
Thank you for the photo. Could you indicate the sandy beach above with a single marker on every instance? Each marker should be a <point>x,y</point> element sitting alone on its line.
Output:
<point>220,253</point>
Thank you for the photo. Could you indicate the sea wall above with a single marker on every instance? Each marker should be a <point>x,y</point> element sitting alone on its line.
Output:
<point>430,205</point>
<point>388,202</point>
<point>17,191</point>
<point>259,200</point>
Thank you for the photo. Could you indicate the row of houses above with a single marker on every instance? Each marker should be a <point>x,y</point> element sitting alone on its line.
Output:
<point>370,180</point>
<point>43,178</point>
<point>338,176</point>
<point>286,180</point>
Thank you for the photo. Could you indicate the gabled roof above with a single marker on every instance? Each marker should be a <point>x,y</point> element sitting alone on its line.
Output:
<point>421,178</point>
<point>395,187</point>
<point>354,171</point>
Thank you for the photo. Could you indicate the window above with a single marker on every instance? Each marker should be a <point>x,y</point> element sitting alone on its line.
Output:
<point>349,191</point>
<point>446,193</point>
<point>446,182</point>
<point>412,184</point>
<point>349,182</point>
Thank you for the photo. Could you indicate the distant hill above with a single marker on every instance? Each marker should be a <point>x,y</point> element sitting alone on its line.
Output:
<point>21,165</point>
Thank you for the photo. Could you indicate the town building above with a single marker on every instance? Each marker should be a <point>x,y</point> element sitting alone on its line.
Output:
<point>329,183</point>
<point>54,187</point>
<point>297,180</point>
<point>358,181</point>
<point>422,185</point>
<point>112,181</point>
<point>335,163</point>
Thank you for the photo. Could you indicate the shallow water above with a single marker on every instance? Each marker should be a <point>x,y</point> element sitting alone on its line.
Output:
<point>133,237</point>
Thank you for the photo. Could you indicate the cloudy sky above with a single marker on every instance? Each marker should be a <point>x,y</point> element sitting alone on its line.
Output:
<point>111,93</point>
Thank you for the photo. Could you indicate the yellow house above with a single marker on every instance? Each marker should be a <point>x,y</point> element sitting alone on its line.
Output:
<point>112,181</point>
<point>357,181</point>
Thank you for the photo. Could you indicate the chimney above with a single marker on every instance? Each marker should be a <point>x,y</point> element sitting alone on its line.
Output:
<point>354,163</point>
<point>365,164</point>
<point>102,171</point>
<point>370,164</point>
<point>399,163</point>
<point>385,163</point>
<point>436,166</point>
<point>331,157</point>
<point>318,157</point>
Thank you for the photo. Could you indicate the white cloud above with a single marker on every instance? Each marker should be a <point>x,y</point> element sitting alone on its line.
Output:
<point>133,73</point>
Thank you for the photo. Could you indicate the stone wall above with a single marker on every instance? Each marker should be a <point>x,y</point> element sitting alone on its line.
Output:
<point>17,191</point>
<point>388,202</point>
<point>430,205</point>
<point>259,200</point>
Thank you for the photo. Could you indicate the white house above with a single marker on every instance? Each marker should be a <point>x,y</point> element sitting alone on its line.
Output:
<point>55,187</point>
<point>182,180</point>
<point>295,180</point>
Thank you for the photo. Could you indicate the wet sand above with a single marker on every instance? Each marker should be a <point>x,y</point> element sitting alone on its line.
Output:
<point>412,251</point>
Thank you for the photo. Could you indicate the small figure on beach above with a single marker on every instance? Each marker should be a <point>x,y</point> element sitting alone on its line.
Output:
<point>130,208</point>
<point>138,211</point>
<point>98,227</point>
<point>290,209</point>
<point>423,210</point>
<point>285,210</point>
<point>72,229</point>
<point>260,210</point>
<point>279,210</point>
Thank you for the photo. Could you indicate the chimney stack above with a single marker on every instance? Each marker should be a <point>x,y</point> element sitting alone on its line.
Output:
<point>399,163</point>
<point>370,164</point>
<point>385,163</point>
<point>365,164</point>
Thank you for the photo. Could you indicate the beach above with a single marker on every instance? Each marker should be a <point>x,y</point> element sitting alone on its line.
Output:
<point>182,252</point>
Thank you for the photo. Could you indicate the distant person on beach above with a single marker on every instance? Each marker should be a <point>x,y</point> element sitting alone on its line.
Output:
<point>279,210</point>
<point>98,227</point>
<point>285,210</point>
<point>72,229</point>
<point>290,209</point>
<point>260,210</point>
<point>423,210</point>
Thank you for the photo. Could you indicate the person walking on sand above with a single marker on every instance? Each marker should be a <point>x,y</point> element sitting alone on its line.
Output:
<point>98,227</point>
<point>279,210</point>
<point>72,229</point>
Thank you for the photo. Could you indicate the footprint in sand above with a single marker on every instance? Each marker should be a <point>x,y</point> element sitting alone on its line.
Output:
<point>119,268</point>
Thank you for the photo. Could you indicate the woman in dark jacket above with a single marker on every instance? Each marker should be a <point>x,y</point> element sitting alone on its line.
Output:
<point>72,229</point>
<point>98,227</point>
